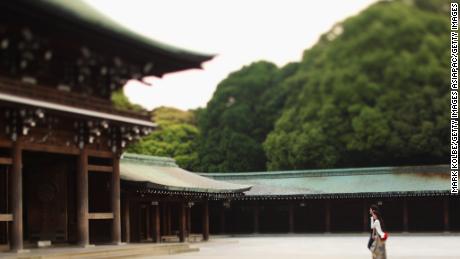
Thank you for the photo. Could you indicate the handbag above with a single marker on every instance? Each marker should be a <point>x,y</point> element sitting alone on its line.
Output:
<point>385,236</point>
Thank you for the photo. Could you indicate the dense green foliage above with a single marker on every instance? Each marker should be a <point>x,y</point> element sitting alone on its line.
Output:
<point>175,137</point>
<point>239,117</point>
<point>122,102</point>
<point>373,91</point>
<point>370,92</point>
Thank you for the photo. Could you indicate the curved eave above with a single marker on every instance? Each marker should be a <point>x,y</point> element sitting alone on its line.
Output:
<point>169,178</point>
<point>203,190</point>
<point>179,189</point>
<point>79,14</point>
<point>74,110</point>
<point>347,195</point>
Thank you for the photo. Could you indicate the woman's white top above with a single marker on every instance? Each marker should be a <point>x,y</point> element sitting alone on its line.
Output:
<point>375,224</point>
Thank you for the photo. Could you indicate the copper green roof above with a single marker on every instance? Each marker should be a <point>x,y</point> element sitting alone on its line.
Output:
<point>82,15</point>
<point>163,174</point>
<point>344,182</point>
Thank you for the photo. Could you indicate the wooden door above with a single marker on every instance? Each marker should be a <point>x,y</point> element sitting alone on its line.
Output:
<point>144,223</point>
<point>47,199</point>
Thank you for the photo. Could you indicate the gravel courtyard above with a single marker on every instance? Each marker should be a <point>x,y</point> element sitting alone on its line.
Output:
<point>324,247</point>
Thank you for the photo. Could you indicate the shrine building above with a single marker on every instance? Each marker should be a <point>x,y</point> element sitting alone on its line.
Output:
<point>412,199</point>
<point>61,138</point>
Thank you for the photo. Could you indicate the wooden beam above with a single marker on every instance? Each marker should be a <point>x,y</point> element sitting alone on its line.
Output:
<point>82,199</point>
<point>6,143</point>
<point>328,216</point>
<point>164,219</point>
<point>6,161</point>
<point>16,228</point>
<point>6,217</point>
<point>182,222</point>
<point>156,225</point>
<point>116,223</point>
<point>366,217</point>
<point>148,226</point>
<point>126,220</point>
<point>168,220</point>
<point>222,220</point>
<point>100,168</point>
<point>52,149</point>
<point>405,215</point>
<point>205,220</point>
<point>189,220</point>
<point>100,153</point>
<point>100,215</point>
<point>291,217</point>
<point>256,218</point>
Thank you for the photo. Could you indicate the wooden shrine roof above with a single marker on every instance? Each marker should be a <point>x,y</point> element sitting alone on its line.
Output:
<point>79,14</point>
<point>163,174</point>
<point>348,182</point>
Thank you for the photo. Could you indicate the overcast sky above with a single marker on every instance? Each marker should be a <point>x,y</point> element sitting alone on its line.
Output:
<point>237,31</point>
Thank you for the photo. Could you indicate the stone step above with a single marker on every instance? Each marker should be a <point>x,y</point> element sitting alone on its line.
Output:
<point>153,253</point>
<point>128,251</point>
<point>142,252</point>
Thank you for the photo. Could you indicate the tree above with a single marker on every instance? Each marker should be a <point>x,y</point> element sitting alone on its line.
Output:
<point>373,91</point>
<point>175,137</point>
<point>239,116</point>
<point>122,102</point>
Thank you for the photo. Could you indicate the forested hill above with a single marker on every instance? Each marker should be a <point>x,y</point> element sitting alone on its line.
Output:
<point>373,91</point>
<point>241,113</point>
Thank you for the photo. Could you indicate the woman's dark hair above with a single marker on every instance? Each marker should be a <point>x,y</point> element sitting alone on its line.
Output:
<point>375,207</point>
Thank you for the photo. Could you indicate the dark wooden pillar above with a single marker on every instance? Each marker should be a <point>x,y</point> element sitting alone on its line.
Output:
<point>291,217</point>
<point>148,220</point>
<point>236,219</point>
<point>82,199</point>
<point>205,220</point>
<point>189,220</point>
<point>256,218</point>
<point>126,221</point>
<point>138,209</point>
<point>168,219</point>
<point>366,216</point>
<point>446,215</point>
<point>405,216</point>
<point>116,222</point>
<point>182,222</point>
<point>328,215</point>
<point>165,219</point>
<point>222,220</point>
<point>15,182</point>
<point>156,223</point>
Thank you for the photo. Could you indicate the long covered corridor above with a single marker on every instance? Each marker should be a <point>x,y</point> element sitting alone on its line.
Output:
<point>414,214</point>
<point>411,199</point>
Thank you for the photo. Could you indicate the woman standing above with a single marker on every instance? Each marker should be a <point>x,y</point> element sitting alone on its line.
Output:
<point>371,240</point>
<point>378,247</point>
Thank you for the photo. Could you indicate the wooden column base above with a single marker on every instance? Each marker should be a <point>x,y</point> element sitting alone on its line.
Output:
<point>205,220</point>
<point>20,251</point>
<point>182,223</point>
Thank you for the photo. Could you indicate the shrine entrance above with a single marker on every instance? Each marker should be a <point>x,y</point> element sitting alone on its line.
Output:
<point>49,197</point>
